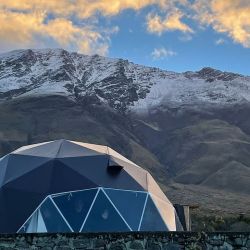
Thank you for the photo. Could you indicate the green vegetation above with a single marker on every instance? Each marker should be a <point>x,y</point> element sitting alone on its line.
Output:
<point>213,223</point>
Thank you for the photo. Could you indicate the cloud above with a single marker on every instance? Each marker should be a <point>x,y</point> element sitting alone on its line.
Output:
<point>46,23</point>
<point>19,27</point>
<point>220,41</point>
<point>171,22</point>
<point>81,8</point>
<point>186,37</point>
<point>231,17</point>
<point>31,30</point>
<point>161,53</point>
<point>75,24</point>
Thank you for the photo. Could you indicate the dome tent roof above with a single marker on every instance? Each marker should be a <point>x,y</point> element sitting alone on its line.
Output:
<point>32,173</point>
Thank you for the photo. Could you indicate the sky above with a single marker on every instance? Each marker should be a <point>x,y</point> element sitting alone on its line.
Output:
<point>176,35</point>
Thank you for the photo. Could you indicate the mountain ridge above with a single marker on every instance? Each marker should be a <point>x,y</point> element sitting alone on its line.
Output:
<point>119,83</point>
<point>190,130</point>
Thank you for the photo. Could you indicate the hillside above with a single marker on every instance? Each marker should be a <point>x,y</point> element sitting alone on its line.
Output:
<point>190,130</point>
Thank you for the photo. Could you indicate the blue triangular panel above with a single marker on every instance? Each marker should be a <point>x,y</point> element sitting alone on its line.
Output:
<point>103,217</point>
<point>130,204</point>
<point>75,206</point>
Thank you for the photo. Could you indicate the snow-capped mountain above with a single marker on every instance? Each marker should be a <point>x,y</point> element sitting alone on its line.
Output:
<point>190,130</point>
<point>120,84</point>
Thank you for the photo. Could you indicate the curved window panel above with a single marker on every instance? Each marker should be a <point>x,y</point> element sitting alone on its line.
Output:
<point>45,219</point>
<point>106,210</point>
<point>152,220</point>
<point>75,206</point>
<point>31,225</point>
<point>103,217</point>
<point>129,203</point>
<point>41,227</point>
<point>51,218</point>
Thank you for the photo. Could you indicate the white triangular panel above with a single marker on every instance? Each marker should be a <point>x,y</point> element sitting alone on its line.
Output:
<point>32,227</point>
<point>41,228</point>
<point>98,148</point>
<point>30,146</point>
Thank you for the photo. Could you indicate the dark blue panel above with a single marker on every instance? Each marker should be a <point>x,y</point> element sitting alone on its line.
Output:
<point>103,217</point>
<point>18,165</point>
<point>31,225</point>
<point>94,168</point>
<point>152,220</point>
<point>52,218</point>
<point>87,165</point>
<point>65,178</point>
<point>18,206</point>
<point>75,206</point>
<point>130,204</point>
<point>37,180</point>
<point>3,166</point>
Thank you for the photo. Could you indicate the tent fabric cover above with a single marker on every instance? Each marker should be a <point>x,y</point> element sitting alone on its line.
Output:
<point>31,173</point>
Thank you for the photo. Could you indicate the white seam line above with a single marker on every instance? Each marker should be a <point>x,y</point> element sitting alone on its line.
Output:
<point>139,228</point>
<point>80,190</point>
<point>33,213</point>
<point>58,194</point>
<point>89,210</point>
<point>117,210</point>
<point>61,214</point>
<point>125,190</point>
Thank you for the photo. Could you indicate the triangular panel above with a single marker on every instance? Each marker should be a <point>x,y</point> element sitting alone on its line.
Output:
<point>49,149</point>
<point>23,148</point>
<point>19,165</point>
<point>70,149</point>
<point>130,204</point>
<point>98,148</point>
<point>152,220</point>
<point>64,178</point>
<point>35,181</point>
<point>52,219</point>
<point>95,169</point>
<point>103,217</point>
<point>18,206</point>
<point>41,227</point>
<point>30,226</point>
<point>112,152</point>
<point>75,206</point>
<point>154,188</point>
<point>35,224</point>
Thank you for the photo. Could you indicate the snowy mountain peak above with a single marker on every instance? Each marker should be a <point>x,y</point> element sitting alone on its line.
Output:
<point>210,75</point>
<point>114,82</point>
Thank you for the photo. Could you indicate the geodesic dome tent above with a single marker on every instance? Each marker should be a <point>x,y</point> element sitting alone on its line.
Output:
<point>68,186</point>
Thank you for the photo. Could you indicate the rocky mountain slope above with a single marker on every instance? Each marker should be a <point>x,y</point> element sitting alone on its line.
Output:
<point>116,82</point>
<point>190,130</point>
